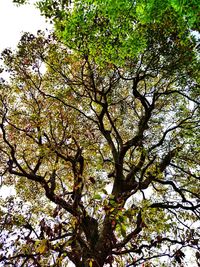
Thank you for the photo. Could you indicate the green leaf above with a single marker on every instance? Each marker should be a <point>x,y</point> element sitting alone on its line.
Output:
<point>97,197</point>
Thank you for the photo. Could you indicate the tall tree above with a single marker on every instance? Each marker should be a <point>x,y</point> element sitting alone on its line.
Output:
<point>100,139</point>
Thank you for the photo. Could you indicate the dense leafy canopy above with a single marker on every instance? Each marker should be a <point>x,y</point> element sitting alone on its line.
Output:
<point>100,138</point>
<point>144,10</point>
<point>113,31</point>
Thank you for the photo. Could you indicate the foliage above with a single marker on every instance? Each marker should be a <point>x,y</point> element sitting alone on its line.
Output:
<point>100,138</point>
<point>144,11</point>
<point>113,31</point>
<point>19,2</point>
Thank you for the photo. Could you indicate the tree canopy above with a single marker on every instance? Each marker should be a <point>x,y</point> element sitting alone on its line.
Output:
<point>100,138</point>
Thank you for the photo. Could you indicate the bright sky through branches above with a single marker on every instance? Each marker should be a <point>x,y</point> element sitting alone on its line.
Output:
<point>16,20</point>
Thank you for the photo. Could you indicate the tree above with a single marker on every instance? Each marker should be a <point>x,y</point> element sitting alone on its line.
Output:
<point>102,146</point>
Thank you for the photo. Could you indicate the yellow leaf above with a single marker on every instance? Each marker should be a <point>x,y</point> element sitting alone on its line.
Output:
<point>42,246</point>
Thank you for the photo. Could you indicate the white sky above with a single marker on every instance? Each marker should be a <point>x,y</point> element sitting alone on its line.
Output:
<point>15,20</point>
